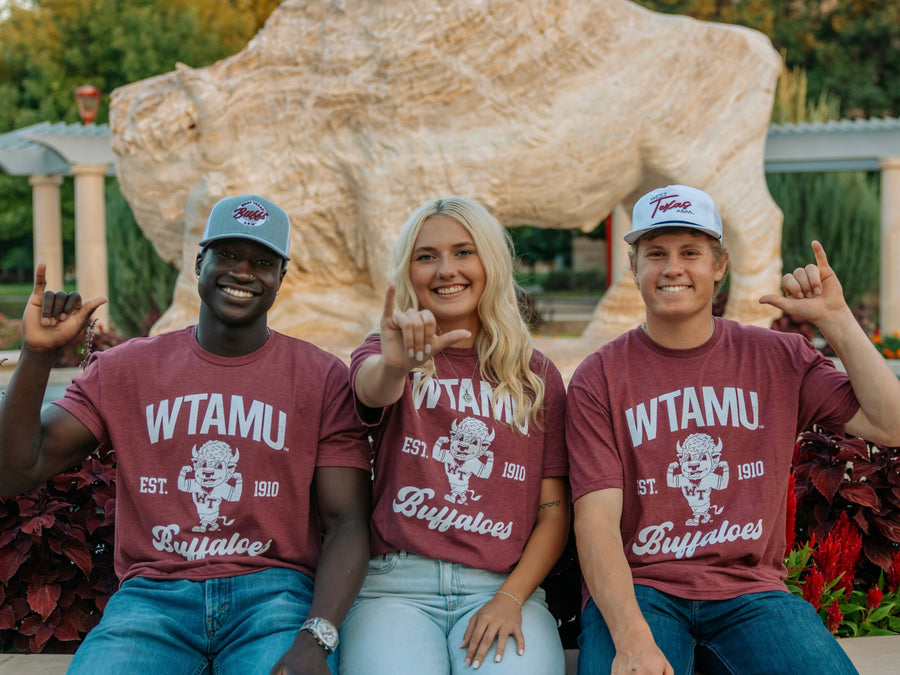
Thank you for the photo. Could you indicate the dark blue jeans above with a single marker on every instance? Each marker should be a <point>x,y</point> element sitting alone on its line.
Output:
<point>232,625</point>
<point>770,633</point>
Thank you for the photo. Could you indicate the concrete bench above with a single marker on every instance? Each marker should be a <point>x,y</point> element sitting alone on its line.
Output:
<point>870,655</point>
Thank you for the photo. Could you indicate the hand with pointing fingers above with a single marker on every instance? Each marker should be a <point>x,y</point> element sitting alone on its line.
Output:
<point>411,337</point>
<point>812,293</point>
<point>52,319</point>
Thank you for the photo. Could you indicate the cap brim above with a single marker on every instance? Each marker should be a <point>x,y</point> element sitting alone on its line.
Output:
<point>634,235</point>
<point>232,235</point>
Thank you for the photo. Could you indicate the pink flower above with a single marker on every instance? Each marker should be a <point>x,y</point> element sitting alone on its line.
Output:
<point>874,597</point>
<point>834,617</point>
<point>812,589</point>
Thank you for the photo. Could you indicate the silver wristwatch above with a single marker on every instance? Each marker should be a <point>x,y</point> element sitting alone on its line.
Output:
<point>324,631</point>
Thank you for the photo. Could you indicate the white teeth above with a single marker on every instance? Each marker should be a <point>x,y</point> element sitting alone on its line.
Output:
<point>673,289</point>
<point>449,290</point>
<point>236,292</point>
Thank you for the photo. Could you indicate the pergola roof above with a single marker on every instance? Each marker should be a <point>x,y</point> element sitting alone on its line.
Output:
<point>51,149</point>
<point>841,145</point>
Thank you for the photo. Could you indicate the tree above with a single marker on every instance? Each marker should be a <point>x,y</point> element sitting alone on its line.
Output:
<point>851,47</point>
<point>50,47</point>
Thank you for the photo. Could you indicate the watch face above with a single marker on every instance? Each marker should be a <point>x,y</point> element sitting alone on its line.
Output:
<point>328,633</point>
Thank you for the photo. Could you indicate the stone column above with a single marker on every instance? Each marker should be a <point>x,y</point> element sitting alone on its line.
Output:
<point>47,227</point>
<point>621,225</point>
<point>90,235</point>
<point>889,298</point>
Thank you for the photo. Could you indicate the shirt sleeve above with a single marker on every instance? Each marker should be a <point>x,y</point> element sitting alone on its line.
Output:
<point>594,461</point>
<point>342,439</point>
<point>369,417</point>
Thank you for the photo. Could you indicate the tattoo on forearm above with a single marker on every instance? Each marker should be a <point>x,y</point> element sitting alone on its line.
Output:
<point>547,505</point>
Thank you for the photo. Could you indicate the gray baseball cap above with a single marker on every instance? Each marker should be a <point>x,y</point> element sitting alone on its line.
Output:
<point>249,217</point>
<point>675,206</point>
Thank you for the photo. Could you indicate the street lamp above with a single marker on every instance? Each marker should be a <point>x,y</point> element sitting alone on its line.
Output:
<point>87,98</point>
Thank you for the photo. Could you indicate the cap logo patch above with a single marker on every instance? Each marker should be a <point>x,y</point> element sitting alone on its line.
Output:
<point>680,207</point>
<point>251,213</point>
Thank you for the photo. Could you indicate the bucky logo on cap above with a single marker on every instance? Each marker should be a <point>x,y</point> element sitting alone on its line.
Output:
<point>250,213</point>
<point>675,206</point>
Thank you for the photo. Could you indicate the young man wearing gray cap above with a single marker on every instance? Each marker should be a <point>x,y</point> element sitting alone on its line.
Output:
<point>680,436</point>
<point>236,447</point>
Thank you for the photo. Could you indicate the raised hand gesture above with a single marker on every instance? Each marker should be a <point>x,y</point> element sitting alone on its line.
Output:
<point>410,338</point>
<point>53,319</point>
<point>812,293</point>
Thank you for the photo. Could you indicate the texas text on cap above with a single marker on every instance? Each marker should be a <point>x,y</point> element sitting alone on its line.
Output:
<point>675,206</point>
<point>249,217</point>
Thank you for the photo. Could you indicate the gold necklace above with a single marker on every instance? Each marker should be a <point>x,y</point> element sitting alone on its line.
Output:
<point>467,397</point>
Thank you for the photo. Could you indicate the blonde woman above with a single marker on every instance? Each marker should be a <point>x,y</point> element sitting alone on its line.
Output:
<point>471,499</point>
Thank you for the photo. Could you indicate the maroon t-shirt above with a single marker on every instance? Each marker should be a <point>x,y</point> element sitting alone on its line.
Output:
<point>215,456</point>
<point>453,480</point>
<point>700,441</point>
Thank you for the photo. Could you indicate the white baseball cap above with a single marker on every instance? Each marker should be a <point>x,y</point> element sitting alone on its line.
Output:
<point>675,206</point>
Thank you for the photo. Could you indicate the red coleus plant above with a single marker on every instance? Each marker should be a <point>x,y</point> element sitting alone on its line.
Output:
<point>56,558</point>
<point>837,475</point>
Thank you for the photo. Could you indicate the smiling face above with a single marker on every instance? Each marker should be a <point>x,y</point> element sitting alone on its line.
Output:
<point>446,273</point>
<point>238,281</point>
<point>676,273</point>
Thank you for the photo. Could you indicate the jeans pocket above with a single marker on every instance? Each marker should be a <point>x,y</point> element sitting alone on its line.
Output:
<point>382,564</point>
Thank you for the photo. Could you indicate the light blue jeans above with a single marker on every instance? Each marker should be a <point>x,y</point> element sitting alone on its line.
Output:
<point>229,626</point>
<point>754,634</point>
<point>412,612</point>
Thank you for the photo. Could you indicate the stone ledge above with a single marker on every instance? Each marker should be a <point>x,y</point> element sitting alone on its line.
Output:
<point>870,655</point>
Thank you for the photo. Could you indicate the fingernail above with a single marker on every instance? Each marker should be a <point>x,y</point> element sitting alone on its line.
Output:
<point>475,665</point>
<point>467,662</point>
<point>498,658</point>
<point>419,356</point>
<point>411,353</point>
<point>520,652</point>
<point>428,349</point>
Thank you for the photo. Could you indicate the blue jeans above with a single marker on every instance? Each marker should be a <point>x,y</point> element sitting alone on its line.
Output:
<point>230,625</point>
<point>758,633</point>
<point>412,612</point>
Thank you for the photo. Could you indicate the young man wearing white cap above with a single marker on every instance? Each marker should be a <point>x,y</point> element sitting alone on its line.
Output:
<point>680,436</point>
<point>236,447</point>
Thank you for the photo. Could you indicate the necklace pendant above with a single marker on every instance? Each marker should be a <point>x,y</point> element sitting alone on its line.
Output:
<point>467,397</point>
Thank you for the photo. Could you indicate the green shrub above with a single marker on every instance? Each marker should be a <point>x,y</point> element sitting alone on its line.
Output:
<point>141,283</point>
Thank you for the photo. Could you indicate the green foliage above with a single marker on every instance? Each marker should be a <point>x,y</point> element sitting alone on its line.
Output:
<point>50,47</point>
<point>143,281</point>
<point>534,244</point>
<point>586,281</point>
<point>851,48</point>
<point>843,211</point>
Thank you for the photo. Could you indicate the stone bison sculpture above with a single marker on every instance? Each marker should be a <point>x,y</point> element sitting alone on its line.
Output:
<point>351,114</point>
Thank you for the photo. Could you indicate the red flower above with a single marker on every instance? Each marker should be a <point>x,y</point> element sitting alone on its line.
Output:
<point>893,575</point>
<point>812,589</point>
<point>834,617</point>
<point>874,597</point>
<point>789,528</point>
<point>839,553</point>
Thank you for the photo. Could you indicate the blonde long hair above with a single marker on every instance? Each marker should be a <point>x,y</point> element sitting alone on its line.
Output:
<point>503,344</point>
